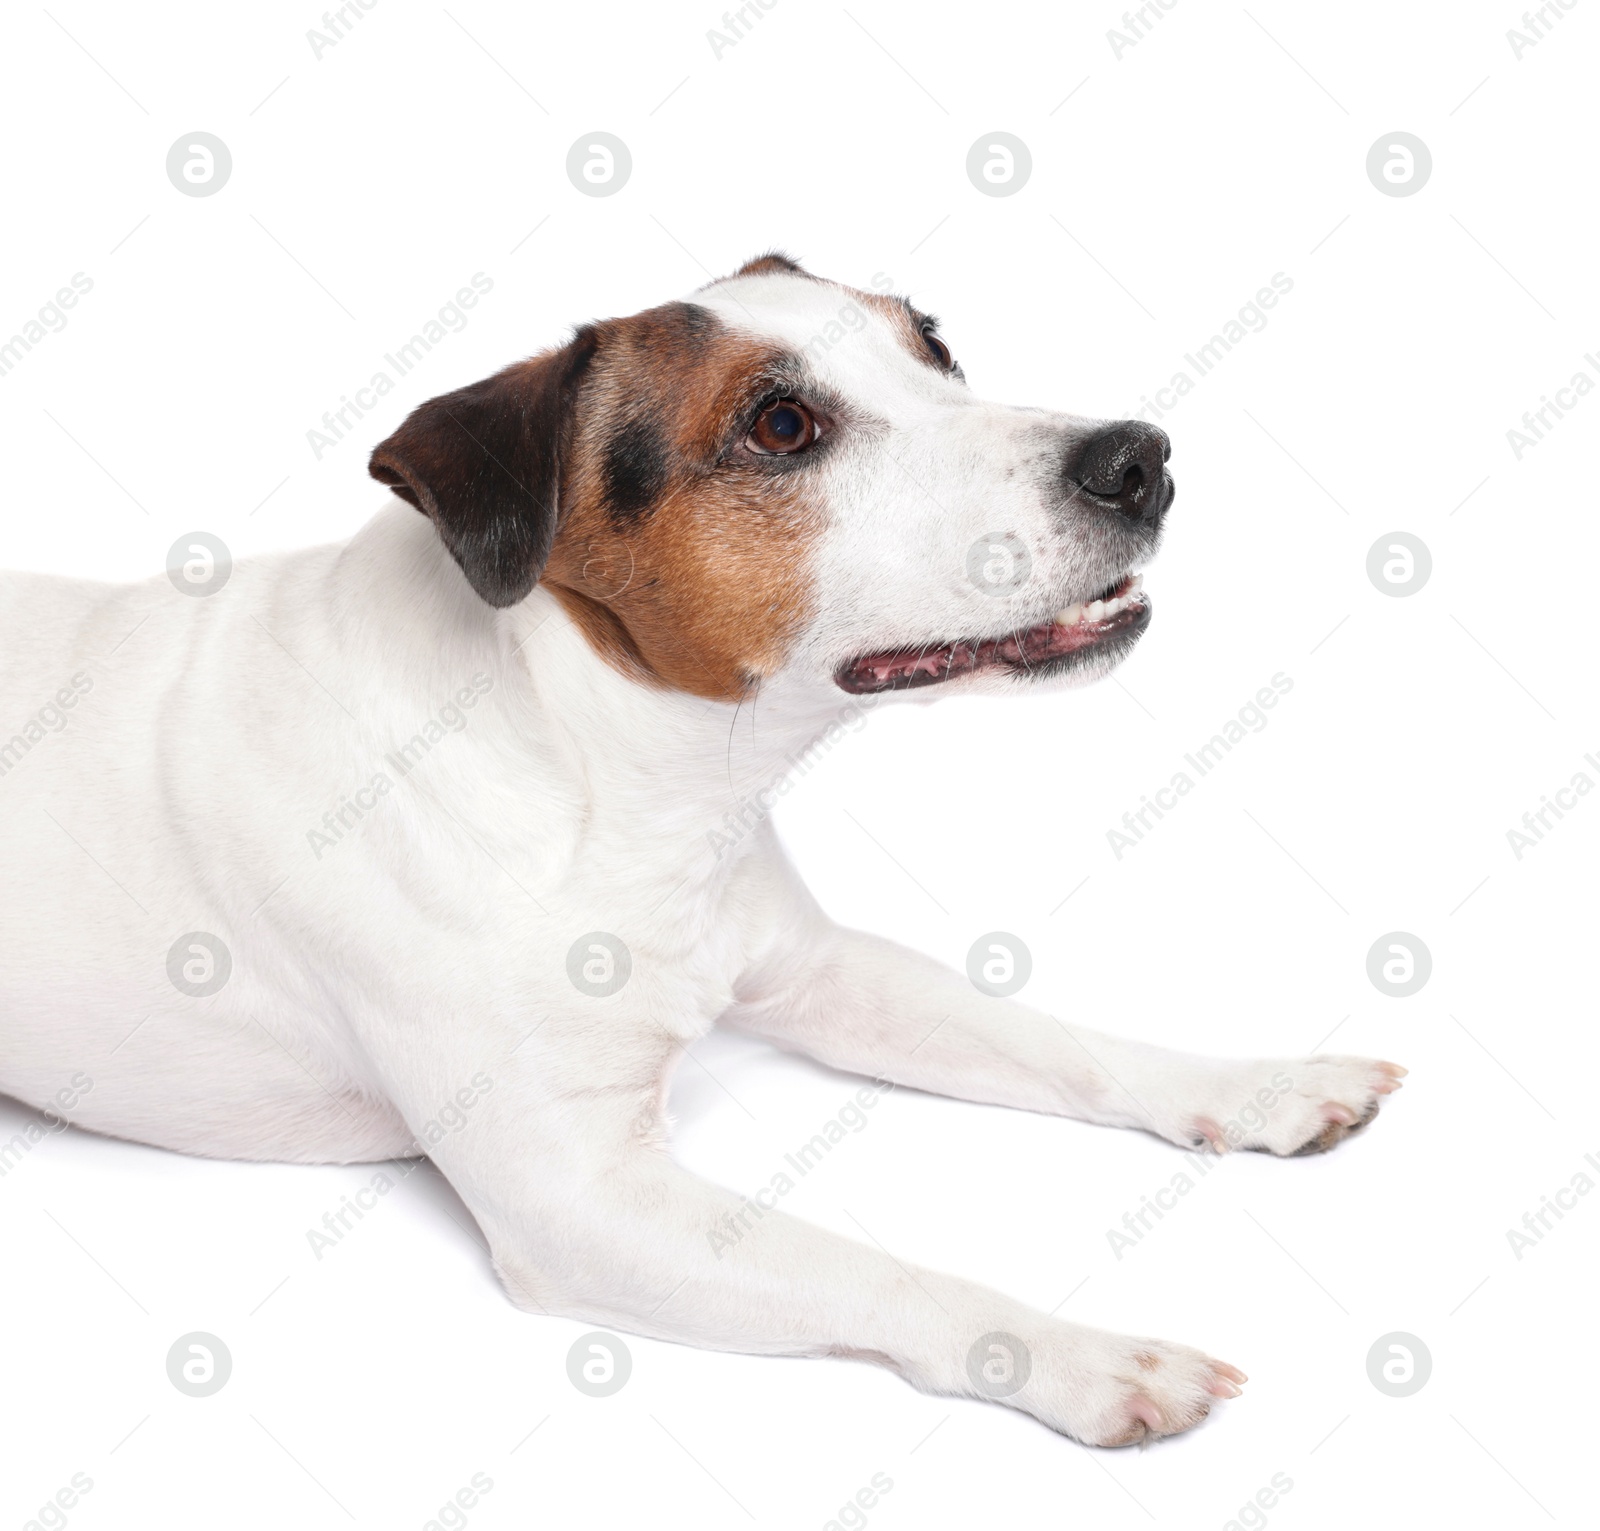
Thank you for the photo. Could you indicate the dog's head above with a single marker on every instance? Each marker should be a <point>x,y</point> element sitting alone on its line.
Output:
<point>788,478</point>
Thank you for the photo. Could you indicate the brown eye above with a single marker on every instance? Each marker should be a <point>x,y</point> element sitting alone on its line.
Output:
<point>939,350</point>
<point>783,426</point>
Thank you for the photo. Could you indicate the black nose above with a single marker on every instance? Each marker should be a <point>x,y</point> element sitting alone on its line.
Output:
<point>1124,468</point>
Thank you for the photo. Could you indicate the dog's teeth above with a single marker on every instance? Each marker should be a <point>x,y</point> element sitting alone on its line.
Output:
<point>1099,610</point>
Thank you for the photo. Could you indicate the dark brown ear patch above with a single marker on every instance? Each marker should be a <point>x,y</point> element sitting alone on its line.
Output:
<point>636,470</point>
<point>602,470</point>
<point>484,463</point>
<point>657,366</point>
<point>771,261</point>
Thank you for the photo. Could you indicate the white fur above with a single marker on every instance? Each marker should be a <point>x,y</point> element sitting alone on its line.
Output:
<point>929,471</point>
<point>425,950</point>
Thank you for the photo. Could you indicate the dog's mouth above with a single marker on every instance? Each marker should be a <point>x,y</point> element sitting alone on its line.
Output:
<point>1114,617</point>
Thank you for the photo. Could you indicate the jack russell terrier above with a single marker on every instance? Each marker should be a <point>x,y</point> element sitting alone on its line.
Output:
<point>413,844</point>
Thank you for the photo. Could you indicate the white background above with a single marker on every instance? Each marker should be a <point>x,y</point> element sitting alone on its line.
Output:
<point>1168,185</point>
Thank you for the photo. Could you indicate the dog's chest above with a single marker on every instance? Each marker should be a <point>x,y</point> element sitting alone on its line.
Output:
<point>683,944</point>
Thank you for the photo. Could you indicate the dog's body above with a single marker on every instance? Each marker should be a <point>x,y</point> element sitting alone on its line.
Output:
<point>466,842</point>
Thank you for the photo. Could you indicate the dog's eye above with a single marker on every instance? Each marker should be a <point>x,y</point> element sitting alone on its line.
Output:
<point>939,350</point>
<point>785,425</point>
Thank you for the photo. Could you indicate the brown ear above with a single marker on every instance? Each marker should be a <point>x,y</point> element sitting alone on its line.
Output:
<point>484,463</point>
<point>768,262</point>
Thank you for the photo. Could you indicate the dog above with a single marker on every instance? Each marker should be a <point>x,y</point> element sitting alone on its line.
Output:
<point>422,843</point>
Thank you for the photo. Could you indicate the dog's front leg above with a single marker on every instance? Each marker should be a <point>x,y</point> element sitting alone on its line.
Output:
<point>562,1160</point>
<point>865,1004</point>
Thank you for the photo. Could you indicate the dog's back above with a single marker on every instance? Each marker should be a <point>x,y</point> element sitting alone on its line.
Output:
<point>138,751</point>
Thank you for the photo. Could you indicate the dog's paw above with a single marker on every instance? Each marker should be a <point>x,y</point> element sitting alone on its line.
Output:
<point>1116,1390</point>
<point>1291,1106</point>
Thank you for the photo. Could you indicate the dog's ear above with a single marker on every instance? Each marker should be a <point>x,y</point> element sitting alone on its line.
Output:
<point>484,463</point>
<point>768,262</point>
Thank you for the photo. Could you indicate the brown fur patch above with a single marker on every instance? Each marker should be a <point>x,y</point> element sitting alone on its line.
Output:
<point>903,318</point>
<point>771,261</point>
<point>681,565</point>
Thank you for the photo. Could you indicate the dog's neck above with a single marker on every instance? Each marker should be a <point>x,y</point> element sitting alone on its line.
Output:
<point>684,782</point>
<point>682,763</point>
